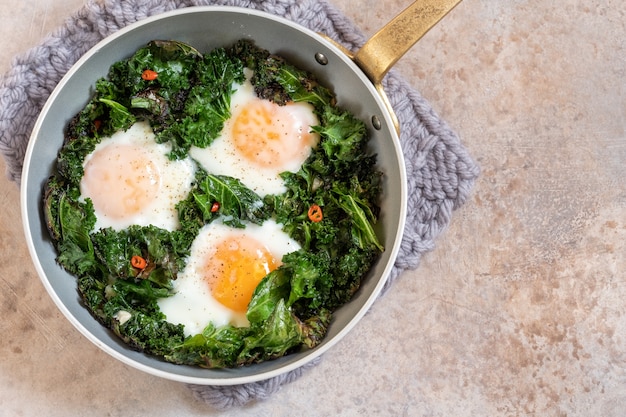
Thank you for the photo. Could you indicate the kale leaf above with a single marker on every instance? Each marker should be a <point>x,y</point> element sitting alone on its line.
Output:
<point>277,80</point>
<point>69,222</point>
<point>236,202</point>
<point>208,103</point>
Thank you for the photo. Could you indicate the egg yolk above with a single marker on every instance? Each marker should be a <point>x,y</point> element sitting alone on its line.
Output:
<point>235,269</point>
<point>121,180</point>
<point>268,134</point>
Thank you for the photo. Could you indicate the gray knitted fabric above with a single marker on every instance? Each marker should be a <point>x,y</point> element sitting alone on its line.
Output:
<point>440,171</point>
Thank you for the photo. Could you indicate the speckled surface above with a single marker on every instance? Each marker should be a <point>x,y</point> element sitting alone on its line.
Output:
<point>520,309</point>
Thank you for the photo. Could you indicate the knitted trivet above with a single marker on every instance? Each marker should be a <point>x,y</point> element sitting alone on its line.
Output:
<point>440,171</point>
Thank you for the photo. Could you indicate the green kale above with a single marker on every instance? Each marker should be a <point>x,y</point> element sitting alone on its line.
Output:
<point>78,144</point>
<point>273,288</point>
<point>149,333</point>
<point>358,210</point>
<point>276,80</point>
<point>69,222</point>
<point>274,336</point>
<point>208,103</point>
<point>134,295</point>
<point>187,104</point>
<point>345,137</point>
<point>215,347</point>
<point>174,62</point>
<point>155,105</point>
<point>228,346</point>
<point>311,277</point>
<point>300,87</point>
<point>236,203</point>
<point>163,254</point>
<point>119,116</point>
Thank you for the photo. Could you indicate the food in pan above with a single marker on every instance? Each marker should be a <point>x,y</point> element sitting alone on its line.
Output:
<point>215,208</point>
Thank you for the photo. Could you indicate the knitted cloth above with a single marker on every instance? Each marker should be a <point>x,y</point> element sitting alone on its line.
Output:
<point>440,171</point>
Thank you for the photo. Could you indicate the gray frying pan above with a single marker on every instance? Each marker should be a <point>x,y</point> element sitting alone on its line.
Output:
<point>356,80</point>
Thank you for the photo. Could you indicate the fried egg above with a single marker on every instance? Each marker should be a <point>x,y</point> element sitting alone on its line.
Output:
<point>131,181</point>
<point>223,269</point>
<point>260,140</point>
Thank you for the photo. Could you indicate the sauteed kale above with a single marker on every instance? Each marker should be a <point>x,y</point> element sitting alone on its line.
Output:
<point>186,105</point>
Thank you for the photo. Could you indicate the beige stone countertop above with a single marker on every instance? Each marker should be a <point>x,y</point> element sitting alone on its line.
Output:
<point>520,310</point>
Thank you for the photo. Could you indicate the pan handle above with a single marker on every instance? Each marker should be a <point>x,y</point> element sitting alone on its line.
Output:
<point>391,42</point>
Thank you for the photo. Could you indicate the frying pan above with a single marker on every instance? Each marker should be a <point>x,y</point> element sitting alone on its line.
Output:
<point>356,80</point>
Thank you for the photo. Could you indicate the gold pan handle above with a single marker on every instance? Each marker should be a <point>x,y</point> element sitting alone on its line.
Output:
<point>391,42</point>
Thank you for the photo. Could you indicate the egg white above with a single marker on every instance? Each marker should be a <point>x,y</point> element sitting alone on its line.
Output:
<point>192,303</point>
<point>175,178</point>
<point>222,157</point>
